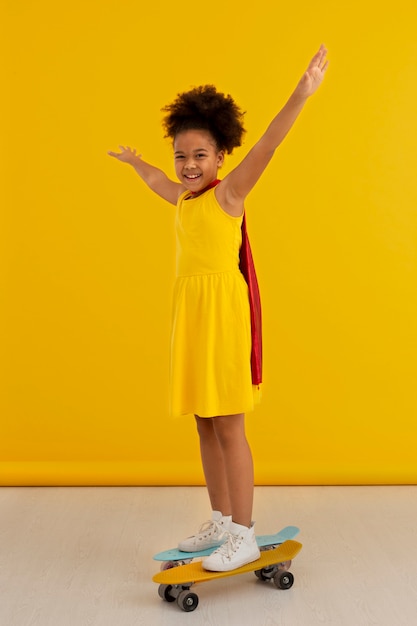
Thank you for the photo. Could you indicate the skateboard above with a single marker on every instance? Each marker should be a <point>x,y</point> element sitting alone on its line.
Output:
<point>174,557</point>
<point>175,583</point>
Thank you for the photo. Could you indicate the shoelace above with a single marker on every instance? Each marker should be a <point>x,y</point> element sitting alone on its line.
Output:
<point>211,527</point>
<point>229,547</point>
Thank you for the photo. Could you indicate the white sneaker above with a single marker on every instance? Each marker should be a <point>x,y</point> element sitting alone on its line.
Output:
<point>239,549</point>
<point>210,535</point>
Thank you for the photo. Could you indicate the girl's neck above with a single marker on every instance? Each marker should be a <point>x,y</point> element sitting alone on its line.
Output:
<point>209,186</point>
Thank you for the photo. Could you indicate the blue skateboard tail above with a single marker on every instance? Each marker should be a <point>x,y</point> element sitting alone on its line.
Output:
<point>289,532</point>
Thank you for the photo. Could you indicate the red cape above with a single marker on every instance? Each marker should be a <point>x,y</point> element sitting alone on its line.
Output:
<point>247,268</point>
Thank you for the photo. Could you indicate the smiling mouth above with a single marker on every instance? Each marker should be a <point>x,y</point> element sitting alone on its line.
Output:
<point>192,176</point>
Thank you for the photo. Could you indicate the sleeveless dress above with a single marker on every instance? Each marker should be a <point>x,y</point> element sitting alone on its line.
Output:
<point>211,325</point>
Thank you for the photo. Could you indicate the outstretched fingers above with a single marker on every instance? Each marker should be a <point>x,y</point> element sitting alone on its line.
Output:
<point>125,154</point>
<point>319,60</point>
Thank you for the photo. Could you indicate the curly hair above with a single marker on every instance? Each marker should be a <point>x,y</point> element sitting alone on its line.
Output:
<point>204,108</point>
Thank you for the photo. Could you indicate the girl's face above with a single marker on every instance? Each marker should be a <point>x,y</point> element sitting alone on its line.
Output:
<point>197,159</point>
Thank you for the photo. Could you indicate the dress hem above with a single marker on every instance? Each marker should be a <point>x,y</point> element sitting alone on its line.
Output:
<point>257,396</point>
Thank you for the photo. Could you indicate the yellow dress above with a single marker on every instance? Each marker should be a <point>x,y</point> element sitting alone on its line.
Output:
<point>211,329</point>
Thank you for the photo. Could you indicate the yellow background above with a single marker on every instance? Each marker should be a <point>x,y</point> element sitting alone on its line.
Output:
<point>87,252</point>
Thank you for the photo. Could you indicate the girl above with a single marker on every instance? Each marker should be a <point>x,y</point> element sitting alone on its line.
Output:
<point>211,334</point>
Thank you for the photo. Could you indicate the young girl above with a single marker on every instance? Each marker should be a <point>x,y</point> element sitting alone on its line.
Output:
<point>211,333</point>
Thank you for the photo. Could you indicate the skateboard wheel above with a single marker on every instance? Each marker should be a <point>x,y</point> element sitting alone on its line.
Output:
<point>270,546</point>
<point>283,580</point>
<point>170,564</point>
<point>266,573</point>
<point>164,592</point>
<point>187,601</point>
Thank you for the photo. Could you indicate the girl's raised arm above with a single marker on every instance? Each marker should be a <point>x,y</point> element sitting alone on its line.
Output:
<point>155,178</point>
<point>243,178</point>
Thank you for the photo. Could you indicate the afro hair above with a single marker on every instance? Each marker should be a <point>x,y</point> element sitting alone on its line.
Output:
<point>204,108</point>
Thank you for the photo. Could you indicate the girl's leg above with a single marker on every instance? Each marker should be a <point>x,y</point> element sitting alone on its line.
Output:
<point>237,465</point>
<point>213,466</point>
<point>240,546</point>
<point>228,466</point>
<point>210,534</point>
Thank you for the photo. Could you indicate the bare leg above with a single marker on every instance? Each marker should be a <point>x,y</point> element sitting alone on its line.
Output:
<point>238,464</point>
<point>228,466</point>
<point>213,466</point>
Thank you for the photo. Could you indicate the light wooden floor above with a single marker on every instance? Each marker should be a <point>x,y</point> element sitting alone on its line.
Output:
<point>83,557</point>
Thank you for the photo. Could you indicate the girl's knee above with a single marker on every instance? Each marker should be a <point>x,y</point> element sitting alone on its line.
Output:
<point>204,426</point>
<point>229,429</point>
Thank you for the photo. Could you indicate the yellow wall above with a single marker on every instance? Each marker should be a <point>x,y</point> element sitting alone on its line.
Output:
<point>87,256</point>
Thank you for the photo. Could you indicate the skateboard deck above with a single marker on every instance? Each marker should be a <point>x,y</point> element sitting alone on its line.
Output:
<point>289,532</point>
<point>175,583</point>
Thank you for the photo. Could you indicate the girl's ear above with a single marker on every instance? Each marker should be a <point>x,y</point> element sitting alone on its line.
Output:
<point>220,158</point>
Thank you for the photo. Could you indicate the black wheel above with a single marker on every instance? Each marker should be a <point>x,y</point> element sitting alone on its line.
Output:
<point>266,573</point>
<point>187,601</point>
<point>283,580</point>
<point>164,592</point>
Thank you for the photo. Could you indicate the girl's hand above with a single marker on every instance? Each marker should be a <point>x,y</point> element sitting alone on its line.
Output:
<point>314,74</point>
<point>126,155</point>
